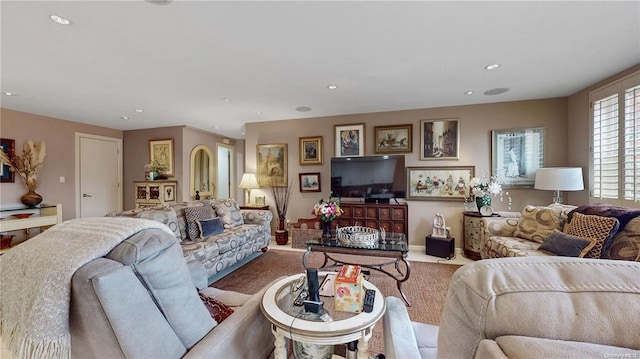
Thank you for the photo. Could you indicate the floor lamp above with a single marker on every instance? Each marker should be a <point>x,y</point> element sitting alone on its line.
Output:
<point>559,179</point>
<point>249,182</point>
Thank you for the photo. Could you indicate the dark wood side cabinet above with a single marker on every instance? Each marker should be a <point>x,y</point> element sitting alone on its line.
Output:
<point>393,217</point>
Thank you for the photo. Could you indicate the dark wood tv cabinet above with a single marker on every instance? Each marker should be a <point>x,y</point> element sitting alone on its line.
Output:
<point>393,217</point>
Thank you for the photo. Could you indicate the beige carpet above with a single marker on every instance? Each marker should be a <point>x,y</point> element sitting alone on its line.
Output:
<point>426,287</point>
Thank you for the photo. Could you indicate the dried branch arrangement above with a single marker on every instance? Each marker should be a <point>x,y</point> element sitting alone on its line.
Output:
<point>28,164</point>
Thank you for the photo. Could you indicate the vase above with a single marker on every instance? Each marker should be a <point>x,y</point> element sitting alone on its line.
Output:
<point>312,351</point>
<point>326,229</point>
<point>31,199</point>
<point>483,201</point>
<point>282,235</point>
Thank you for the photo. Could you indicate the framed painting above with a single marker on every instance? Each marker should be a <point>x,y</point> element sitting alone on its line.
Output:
<point>272,165</point>
<point>9,147</point>
<point>310,182</point>
<point>349,140</point>
<point>440,139</point>
<point>516,155</point>
<point>310,150</point>
<point>161,151</point>
<point>439,183</point>
<point>260,201</point>
<point>393,139</point>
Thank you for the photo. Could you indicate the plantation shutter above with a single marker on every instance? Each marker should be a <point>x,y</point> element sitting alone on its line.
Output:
<point>632,144</point>
<point>605,147</point>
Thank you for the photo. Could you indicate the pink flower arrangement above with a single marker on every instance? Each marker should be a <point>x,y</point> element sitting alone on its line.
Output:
<point>328,210</point>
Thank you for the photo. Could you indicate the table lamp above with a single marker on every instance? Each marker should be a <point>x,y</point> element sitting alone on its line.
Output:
<point>559,179</point>
<point>249,182</point>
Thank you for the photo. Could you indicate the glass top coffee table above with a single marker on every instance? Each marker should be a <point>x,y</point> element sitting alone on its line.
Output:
<point>394,247</point>
<point>290,321</point>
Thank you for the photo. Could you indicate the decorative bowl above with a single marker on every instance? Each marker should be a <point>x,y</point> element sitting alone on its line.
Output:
<point>22,215</point>
<point>357,236</point>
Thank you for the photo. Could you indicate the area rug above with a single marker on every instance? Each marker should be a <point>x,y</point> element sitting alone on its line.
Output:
<point>426,288</point>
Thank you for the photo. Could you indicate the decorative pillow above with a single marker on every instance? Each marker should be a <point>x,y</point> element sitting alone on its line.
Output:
<point>625,244</point>
<point>566,245</point>
<point>163,215</point>
<point>599,228</point>
<point>230,213</point>
<point>217,309</point>
<point>209,227</point>
<point>537,223</point>
<point>192,214</point>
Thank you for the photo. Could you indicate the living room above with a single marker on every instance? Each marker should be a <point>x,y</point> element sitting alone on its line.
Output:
<point>565,116</point>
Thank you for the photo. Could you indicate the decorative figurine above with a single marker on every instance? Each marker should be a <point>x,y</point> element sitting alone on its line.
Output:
<point>439,227</point>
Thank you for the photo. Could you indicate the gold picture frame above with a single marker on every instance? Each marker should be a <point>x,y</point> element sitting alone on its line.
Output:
<point>272,165</point>
<point>310,150</point>
<point>161,151</point>
<point>439,183</point>
<point>349,140</point>
<point>394,139</point>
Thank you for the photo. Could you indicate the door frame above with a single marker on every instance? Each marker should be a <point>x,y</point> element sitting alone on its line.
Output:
<point>118,141</point>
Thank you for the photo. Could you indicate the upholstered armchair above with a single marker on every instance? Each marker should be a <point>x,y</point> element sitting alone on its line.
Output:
<point>527,307</point>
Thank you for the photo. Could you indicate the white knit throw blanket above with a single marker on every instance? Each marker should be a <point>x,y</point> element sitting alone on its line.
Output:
<point>36,281</point>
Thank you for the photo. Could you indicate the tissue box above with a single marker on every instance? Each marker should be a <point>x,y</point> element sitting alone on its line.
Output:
<point>349,292</point>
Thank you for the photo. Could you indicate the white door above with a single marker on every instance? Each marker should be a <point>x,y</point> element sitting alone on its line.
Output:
<point>99,174</point>
<point>224,186</point>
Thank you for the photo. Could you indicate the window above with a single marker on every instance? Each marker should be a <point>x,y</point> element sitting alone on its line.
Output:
<point>615,166</point>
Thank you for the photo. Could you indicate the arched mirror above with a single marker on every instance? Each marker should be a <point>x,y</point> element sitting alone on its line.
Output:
<point>201,177</point>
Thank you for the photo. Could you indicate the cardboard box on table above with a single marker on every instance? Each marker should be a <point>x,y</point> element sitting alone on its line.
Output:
<point>349,291</point>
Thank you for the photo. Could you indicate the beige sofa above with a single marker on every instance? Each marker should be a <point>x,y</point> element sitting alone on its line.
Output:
<point>527,307</point>
<point>246,232</point>
<point>524,234</point>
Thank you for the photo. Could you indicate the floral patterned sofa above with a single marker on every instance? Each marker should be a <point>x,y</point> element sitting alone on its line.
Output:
<point>614,232</point>
<point>242,233</point>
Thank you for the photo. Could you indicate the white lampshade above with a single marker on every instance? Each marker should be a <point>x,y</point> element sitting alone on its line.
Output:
<point>249,181</point>
<point>559,179</point>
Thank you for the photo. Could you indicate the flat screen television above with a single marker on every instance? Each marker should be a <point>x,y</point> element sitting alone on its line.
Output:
<point>373,178</point>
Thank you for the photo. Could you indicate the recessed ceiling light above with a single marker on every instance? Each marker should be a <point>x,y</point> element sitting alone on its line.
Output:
<point>492,66</point>
<point>332,87</point>
<point>242,133</point>
<point>7,93</point>
<point>469,93</point>
<point>257,112</point>
<point>303,109</point>
<point>496,91</point>
<point>60,20</point>
<point>124,117</point>
<point>159,2</point>
<point>139,110</point>
<point>216,127</point>
<point>225,99</point>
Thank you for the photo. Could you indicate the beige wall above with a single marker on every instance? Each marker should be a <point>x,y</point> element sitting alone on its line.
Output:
<point>476,123</point>
<point>59,137</point>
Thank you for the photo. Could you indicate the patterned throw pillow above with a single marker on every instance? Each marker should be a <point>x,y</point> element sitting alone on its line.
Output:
<point>596,227</point>
<point>566,245</point>
<point>217,309</point>
<point>209,227</point>
<point>537,223</point>
<point>192,214</point>
<point>230,213</point>
<point>163,215</point>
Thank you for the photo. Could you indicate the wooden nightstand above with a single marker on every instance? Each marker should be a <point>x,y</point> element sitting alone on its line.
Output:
<point>264,208</point>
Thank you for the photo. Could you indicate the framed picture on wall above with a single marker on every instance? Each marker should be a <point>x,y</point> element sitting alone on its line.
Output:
<point>161,152</point>
<point>310,182</point>
<point>310,150</point>
<point>394,139</point>
<point>272,165</point>
<point>516,155</point>
<point>439,183</point>
<point>349,140</point>
<point>440,139</point>
<point>9,148</point>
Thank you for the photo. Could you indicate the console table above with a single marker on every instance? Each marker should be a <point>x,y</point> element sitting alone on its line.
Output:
<point>44,216</point>
<point>155,193</point>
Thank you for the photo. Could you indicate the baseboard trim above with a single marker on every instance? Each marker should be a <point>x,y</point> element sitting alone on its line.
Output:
<point>223,273</point>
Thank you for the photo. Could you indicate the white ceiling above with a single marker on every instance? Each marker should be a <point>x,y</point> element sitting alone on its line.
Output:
<point>177,61</point>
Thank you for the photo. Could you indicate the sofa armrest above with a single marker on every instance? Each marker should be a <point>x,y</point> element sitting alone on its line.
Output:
<point>399,338</point>
<point>504,227</point>
<point>258,216</point>
<point>571,299</point>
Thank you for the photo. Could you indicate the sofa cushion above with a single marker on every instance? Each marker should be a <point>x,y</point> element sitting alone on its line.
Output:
<point>163,215</point>
<point>209,227</point>
<point>230,213</point>
<point>537,223</point>
<point>218,310</point>
<point>182,219</point>
<point>194,214</point>
<point>625,244</point>
<point>566,245</point>
<point>589,226</point>
<point>622,214</point>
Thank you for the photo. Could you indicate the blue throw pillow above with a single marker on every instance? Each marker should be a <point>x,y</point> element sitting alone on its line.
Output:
<point>567,245</point>
<point>209,227</point>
